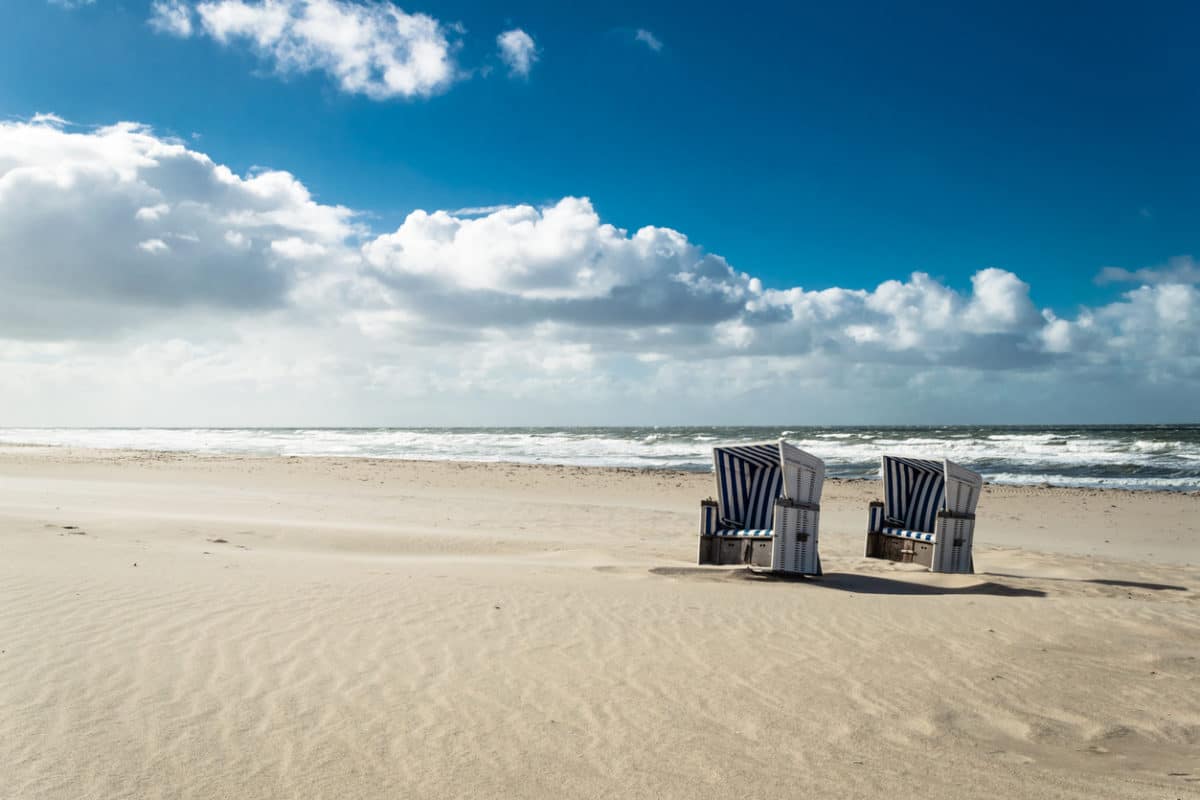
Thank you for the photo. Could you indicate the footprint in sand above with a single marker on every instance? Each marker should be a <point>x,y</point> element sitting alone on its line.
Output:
<point>1011,757</point>
<point>226,541</point>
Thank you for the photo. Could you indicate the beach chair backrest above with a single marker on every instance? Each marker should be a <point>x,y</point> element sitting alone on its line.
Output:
<point>913,492</point>
<point>749,479</point>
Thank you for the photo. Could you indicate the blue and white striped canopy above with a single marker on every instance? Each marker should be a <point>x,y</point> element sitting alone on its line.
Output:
<point>913,492</point>
<point>749,479</point>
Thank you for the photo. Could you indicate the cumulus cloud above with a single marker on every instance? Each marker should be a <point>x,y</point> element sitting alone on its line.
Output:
<point>518,51</point>
<point>1153,323</point>
<point>649,39</point>
<point>89,218</point>
<point>373,49</point>
<point>142,271</point>
<point>999,303</point>
<point>561,251</point>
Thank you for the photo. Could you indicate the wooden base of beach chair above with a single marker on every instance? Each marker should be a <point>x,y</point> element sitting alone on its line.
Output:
<point>734,550</point>
<point>894,548</point>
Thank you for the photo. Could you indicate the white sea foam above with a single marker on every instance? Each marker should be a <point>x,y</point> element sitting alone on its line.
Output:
<point>1143,457</point>
<point>1084,481</point>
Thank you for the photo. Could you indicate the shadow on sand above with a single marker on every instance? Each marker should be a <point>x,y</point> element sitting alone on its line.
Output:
<point>1156,587</point>
<point>853,583</point>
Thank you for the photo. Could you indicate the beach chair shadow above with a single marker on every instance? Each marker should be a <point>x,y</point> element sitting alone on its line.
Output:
<point>876,584</point>
<point>855,583</point>
<point>1121,584</point>
<point>852,583</point>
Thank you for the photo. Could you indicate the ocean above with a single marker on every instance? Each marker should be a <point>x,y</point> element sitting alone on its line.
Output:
<point>1150,457</point>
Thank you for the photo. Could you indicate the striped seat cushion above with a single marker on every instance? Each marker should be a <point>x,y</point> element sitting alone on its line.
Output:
<point>920,536</point>
<point>745,533</point>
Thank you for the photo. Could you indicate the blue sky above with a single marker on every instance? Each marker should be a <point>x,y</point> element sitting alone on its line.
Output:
<point>810,145</point>
<point>827,146</point>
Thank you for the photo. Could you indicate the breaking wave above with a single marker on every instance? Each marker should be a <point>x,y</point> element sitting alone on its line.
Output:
<point>1134,457</point>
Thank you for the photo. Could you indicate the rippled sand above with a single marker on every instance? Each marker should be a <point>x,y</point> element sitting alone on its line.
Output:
<point>182,626</point>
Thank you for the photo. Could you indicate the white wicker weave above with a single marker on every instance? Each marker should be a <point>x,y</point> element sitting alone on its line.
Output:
<point>794,541</point>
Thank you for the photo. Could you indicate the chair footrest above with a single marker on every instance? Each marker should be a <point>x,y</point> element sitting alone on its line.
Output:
<point>744,533</point>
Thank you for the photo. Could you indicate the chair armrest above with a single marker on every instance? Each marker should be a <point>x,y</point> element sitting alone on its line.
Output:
<point>787,503</point>
<point>710,521</point>
<point>875,517</point>
<point>954,515</point>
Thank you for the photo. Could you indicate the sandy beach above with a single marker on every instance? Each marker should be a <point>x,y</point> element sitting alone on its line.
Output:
<point>174,625</point>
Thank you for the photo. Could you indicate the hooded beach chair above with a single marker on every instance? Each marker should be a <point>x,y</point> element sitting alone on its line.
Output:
<point>767,509</point>
<point>927,515</point>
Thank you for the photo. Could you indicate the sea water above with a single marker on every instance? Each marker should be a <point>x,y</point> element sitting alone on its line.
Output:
<point>1155,457</point>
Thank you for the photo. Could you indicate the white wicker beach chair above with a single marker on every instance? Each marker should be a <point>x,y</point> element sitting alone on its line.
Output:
<point>767,510</point>
<point>927,515</point>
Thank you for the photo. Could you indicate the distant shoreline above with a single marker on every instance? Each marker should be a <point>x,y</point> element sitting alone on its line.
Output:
<point>107,454</point>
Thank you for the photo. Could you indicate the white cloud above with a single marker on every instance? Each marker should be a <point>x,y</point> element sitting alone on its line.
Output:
<point>48,119</point>
<point>1180,269</point>
<point>374,49</point>
<point>734,333</point>
<point>172,17</point>
<point>236,239</point>
<point>1000,303</point>
<point>89,218</point>
<point>559,252</point>
<point>152,213</point>
<point>649,39</point>
<point>476,211</point>
<point>157,281</point>
<point>518,51</point>
<point>153,246</point>
<point>297,249</point>
<point>1151,335</point>
<point>69,4</point>
<point>1056,335</point>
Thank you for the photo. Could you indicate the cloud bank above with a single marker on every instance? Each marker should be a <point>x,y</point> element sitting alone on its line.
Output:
<point>154,282</point>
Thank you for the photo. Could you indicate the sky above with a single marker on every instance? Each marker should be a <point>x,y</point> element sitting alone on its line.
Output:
<point>328,212</point>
